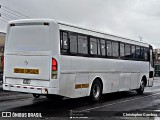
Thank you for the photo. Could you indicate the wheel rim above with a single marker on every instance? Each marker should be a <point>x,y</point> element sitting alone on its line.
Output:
<point>96,90</point>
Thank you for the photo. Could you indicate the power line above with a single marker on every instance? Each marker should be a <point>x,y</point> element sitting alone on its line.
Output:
<point>5,7</point>
<point>9,16</point>
<point>14,13</point>
<point>3,20</point>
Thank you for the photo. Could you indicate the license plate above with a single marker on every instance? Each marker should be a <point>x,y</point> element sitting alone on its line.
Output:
<point>26,71</point>
<point>25,81</point>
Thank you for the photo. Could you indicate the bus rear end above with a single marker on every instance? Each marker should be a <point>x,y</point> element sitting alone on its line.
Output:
<point>30,58</point>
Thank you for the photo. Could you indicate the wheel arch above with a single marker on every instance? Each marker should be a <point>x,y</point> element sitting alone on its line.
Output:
<point>99,79</point>
<point>144,78</point>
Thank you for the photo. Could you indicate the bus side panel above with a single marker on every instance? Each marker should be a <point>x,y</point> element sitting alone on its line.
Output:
<point>124,82</point>
<point>82,82</point>
<point>112,84</point>
<point>67,85</point>
<point>73,85</point>
<point>110,81</point>
<point>134,81</point>
<point>114,74</point>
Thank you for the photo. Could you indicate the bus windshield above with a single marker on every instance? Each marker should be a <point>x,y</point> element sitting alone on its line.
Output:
<point>28,38</point>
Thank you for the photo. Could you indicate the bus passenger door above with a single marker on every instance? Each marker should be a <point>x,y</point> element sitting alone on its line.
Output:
<point>151,67</point>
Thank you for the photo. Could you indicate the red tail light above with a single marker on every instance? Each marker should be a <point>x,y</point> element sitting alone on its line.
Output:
<point>54,69</point>
<point>54,64</point>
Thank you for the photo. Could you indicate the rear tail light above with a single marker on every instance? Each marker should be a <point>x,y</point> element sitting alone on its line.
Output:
<point>54,64</point>
<point>54,68</point>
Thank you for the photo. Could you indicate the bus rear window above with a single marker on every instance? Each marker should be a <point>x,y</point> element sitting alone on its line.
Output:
<point>28,38</point>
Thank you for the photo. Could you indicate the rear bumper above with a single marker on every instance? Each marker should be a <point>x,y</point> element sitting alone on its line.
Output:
<point>30,89</point>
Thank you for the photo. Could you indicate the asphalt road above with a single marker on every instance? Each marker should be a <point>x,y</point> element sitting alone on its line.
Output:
<point>115,106</point>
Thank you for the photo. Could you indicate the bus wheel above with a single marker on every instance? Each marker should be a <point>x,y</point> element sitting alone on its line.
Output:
<point>96,91</point>
<point>36,95</point>
<point>141,89</point>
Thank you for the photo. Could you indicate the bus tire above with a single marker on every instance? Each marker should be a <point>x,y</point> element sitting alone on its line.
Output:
<point>140,90</point>
<point>96,91</point>
<point>36,95</point>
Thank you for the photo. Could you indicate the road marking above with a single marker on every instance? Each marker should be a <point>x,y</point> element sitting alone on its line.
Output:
<point>116,103</point>
<point>157,110</point>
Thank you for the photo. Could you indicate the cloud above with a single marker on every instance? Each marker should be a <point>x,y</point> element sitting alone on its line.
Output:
<point>128,18</point>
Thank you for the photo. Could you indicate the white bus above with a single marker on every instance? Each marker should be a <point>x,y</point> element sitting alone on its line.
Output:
<point>50,58</point>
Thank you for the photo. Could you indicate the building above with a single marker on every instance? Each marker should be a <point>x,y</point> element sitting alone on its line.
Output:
<point>156,56</point>
<point>2,41</point>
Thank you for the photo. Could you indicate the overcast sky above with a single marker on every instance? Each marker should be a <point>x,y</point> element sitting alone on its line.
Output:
<point>127,18</point>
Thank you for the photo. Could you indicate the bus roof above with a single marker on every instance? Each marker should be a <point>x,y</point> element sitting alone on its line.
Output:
<point>92,32</point>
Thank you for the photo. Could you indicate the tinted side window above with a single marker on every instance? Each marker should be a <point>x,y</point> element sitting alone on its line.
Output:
<point>82,44</point>
<point>133,51</point>
<point>142,53</point>
<point>146,51</point>
<point>99,47</point>
<point>93,46</point>
<point>103,47</point>
<point>127,51</point>
<point>138,52</point>
<point>115,49</point>
<point>64,41</point>
<point>109,48</point>
<point>121,49</point>
<point>73,43</point>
